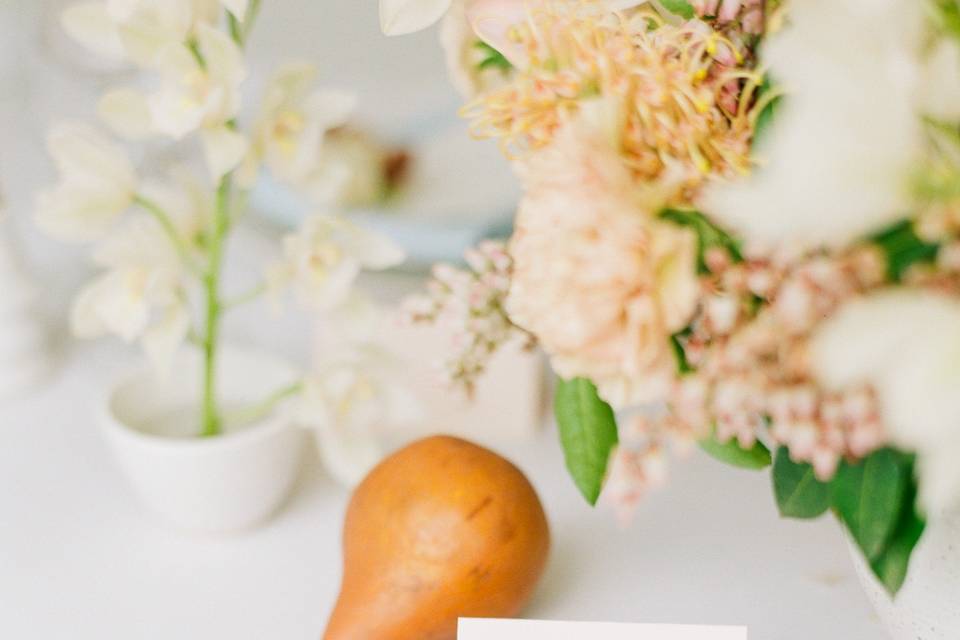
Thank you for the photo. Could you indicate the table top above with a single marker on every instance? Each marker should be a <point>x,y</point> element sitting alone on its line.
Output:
<point>79,559</point>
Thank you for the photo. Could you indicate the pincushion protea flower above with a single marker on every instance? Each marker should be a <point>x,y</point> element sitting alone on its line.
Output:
<point>664,83</point>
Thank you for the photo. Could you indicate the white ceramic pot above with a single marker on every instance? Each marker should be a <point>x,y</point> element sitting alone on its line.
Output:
<point>218,484</point>
<point>927,607</point>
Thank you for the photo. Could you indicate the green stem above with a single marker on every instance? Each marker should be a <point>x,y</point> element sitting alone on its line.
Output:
<point>212,421</point>
<point>240,31</point>
<point>266,406</point>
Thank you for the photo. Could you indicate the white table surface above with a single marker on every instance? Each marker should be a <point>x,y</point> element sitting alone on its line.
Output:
<point>79,559</point>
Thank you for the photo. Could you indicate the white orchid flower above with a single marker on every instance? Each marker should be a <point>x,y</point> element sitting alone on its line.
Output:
<point>137,29</point>
<point>322,261</point>
<point>200,91</point>
<point>906,344</point>
<point>97,183</point>
<point>289,133</point>
<point>140,295</point>
<point>345,399</point>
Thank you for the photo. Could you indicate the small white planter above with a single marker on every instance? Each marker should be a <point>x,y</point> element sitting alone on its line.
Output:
<point>218,484</point>
<point>927,607</point>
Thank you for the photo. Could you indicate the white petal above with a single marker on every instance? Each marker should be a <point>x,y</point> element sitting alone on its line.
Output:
<point>349,452</point>
<point>90,24</point>
<point>492,20</point>
<point>330,107</point>
<point>222,56</point>
<point>73,214</point>
<point>111,303</point>
<point>84,156</point>
<point>224,150</point>
<point>164,337</point>
<point>85,322</point>
<point>126,112</point>
<point>398,17</point>
<point>373,250</point>
<point>289,84</point>
<point>941,92</point>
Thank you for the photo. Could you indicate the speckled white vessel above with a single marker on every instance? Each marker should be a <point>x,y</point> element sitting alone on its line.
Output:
<point>928,605</point>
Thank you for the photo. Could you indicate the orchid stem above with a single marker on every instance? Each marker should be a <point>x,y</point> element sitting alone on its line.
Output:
<point>212,421</point>
<point>264,407</point>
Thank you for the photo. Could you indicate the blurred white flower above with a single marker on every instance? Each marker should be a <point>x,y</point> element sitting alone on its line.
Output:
<point>941,87</point>
<point>97,183</point>
<point>136,29</point>
<point>836,163</point>
<point>906,344</point>
<point>141,295</point>
<point>289,134</point>
<point>323,259</point>
<point>349,395</point>
<point>199,90</point>
<point>399,17</point>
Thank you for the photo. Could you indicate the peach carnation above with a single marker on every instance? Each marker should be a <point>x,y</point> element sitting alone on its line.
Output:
<point>598,280</point>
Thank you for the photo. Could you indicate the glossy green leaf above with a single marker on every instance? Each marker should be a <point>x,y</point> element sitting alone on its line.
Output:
<point>869,495</point>
<point>903,248</point>
<point>730,452</point>
<point>768,115</point>
<point>708,234</point>
<point>892,565</point>
<point>798,492</point>
<point>681,8</point>
<point>588,433</point>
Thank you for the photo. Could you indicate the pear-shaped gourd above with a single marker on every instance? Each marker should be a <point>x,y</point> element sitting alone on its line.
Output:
<point>441,529</point>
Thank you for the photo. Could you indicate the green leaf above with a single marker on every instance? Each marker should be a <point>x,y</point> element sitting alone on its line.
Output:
<point>892,565</point>
<point>903,248</point>
<point>756,457</point>
<point>799,494</point>
<point>492,59</point>
<point>681,8</point>
<point>588,432</point>
<point>683,365</point>
<point>708,234</point>
<point>868,497</point>
<point>769,112</point>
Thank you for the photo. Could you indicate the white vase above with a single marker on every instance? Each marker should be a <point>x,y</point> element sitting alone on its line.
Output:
<point>217,484</point>
<point>927,607</point>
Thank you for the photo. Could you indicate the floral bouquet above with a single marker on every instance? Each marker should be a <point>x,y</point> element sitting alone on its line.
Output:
<point>161,243</point>
<point>740,227</point>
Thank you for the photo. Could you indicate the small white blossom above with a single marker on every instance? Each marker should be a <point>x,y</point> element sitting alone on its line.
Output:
<point>322,260</point>
<point>199,92</point>
<point>136,29</point>
<point>345,398</point>
<point>140,295</point>
<point>97,183</point>
<point>289,133</point>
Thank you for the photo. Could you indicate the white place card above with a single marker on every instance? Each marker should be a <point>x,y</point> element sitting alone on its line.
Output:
<point>491,629</point>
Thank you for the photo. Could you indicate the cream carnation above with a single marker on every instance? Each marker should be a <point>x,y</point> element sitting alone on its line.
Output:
<point>598,280</point>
